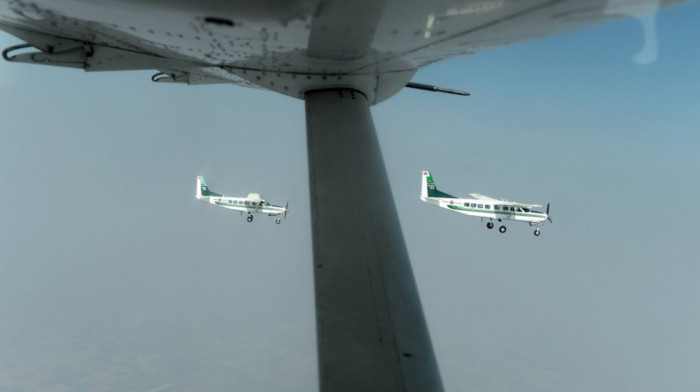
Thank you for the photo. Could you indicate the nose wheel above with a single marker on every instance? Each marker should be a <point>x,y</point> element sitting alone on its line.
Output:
<point>537,232</point>
<point>489,225</point>
<point>277,221</point>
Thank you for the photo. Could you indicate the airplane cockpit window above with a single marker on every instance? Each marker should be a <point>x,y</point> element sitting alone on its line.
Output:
<point>526,209</point>
<point>512,209</point>
<point>255,204</point>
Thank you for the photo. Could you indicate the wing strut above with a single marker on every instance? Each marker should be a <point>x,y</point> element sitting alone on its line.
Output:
<point>371,332</point>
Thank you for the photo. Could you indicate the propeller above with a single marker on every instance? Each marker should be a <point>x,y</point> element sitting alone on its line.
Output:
<point>548,218</point>
<point>285,209</point>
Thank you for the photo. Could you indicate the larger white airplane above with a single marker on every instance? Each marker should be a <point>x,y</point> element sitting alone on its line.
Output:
<point>483,207</point>
<point>340,57</point>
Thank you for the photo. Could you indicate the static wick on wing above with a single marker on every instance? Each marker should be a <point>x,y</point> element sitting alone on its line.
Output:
<point>429,87</point>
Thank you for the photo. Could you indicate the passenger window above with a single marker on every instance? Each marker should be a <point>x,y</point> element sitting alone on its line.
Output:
<point>247,203</point>
<point>512,209</point>
<point>496,208</point>
<point>473,205</point>
<point>488,207</point>
<point>466,204</point>
<point>480,206</point>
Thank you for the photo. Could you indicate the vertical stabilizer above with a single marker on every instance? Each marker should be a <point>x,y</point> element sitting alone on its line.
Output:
<point>428,188</point>
<point>427,180</point>
<point>203,191</point>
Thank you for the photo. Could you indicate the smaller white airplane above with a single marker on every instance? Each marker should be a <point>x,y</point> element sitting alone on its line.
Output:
<point>483,206</point>
<point>252,204</point>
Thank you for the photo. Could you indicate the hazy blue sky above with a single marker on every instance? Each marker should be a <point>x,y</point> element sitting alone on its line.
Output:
<point>114,278</point>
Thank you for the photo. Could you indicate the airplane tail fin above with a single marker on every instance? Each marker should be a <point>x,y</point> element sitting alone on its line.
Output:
<point>203,191</point>
<point>428,188</point>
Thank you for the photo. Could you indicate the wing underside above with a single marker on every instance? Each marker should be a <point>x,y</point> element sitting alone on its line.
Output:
<point>289,47</point>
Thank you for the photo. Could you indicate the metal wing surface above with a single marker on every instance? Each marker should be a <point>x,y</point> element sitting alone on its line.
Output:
<point>289,46</point>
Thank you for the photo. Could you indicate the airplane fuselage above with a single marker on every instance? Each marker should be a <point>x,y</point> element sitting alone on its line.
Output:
<point>488,210</point>
<point>246,205</point>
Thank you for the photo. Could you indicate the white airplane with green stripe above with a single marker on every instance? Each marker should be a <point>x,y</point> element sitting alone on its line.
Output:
<point>483,207</point>
<point>251,204</point>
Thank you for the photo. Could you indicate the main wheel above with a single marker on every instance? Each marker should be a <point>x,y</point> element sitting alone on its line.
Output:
<point>489,225</point>
<point>278,221</point>
<point>502,229</point>
<point>537,232</point>
<point>250,218</point>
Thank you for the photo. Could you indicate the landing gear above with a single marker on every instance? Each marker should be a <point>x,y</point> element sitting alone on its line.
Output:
<point>502,229</point>
<point>537,232</point>
<point>278,221</point>
<point>249,218</point>
<point>489,225</point>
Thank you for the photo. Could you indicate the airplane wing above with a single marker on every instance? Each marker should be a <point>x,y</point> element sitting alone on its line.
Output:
<point>289,46</point>
<point>503,202</point>
<point>526,205</point>
<point>515,204</point>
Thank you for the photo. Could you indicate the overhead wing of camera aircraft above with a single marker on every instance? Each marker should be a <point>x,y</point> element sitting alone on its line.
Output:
<point>340,57</point>
<point>251,204</point>
<point>483,207</point>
